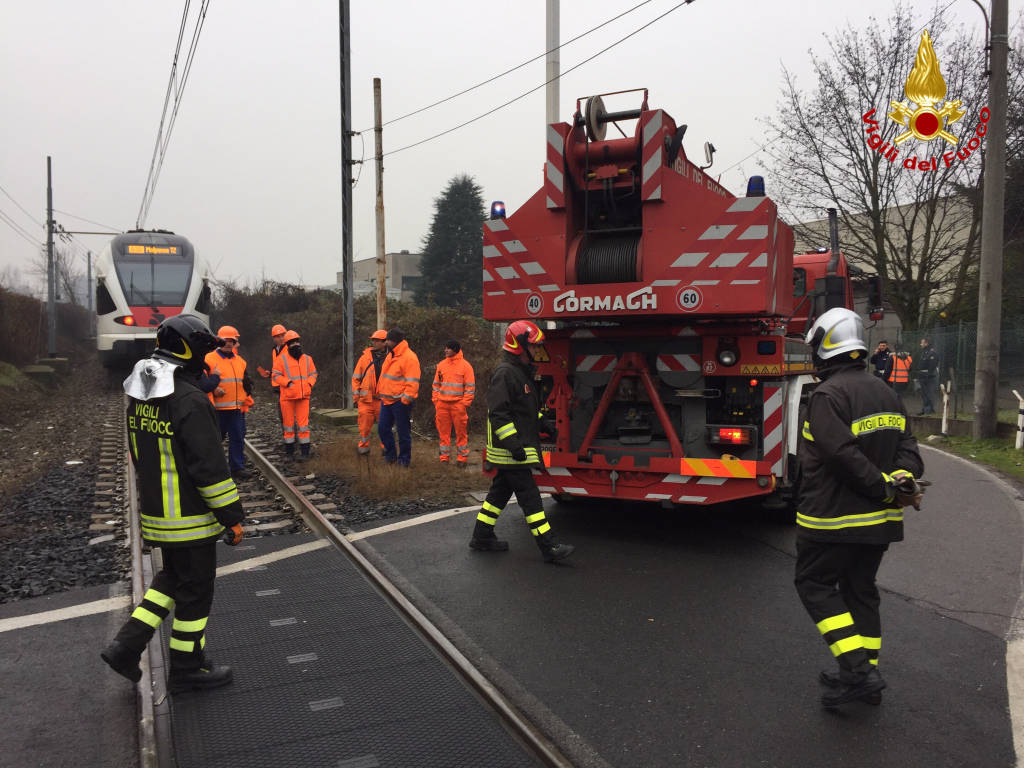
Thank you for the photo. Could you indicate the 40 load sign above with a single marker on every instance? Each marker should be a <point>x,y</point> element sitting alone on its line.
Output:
<point>926,116</point>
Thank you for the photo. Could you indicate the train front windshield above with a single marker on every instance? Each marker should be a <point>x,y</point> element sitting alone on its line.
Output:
<point>154,279</point>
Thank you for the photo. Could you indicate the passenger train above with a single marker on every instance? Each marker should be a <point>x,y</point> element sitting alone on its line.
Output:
<point>142,278</point>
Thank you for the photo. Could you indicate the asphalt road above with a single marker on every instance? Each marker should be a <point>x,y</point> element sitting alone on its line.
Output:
<point>674,639</point>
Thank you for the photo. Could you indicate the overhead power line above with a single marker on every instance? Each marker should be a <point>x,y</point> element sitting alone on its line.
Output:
<point>510,71</point>
<point>90,221</point>
<point>177,90</point>
<point>37,223</point>
<point>542,85</point>
<point>18,230</point>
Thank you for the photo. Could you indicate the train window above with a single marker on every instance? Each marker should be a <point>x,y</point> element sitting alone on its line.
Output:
<point>799,282</point>
<point>104,302</point>
<point>151,282</point>
<point>203,304</point>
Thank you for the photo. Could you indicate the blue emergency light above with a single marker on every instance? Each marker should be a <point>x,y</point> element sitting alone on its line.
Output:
<point>497,210</point>
<point>755,186</point>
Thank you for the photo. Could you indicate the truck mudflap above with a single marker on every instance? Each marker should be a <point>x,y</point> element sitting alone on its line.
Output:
<point>675,481</point>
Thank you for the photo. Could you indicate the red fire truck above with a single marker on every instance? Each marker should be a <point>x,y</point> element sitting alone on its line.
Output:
<point>675,366</point>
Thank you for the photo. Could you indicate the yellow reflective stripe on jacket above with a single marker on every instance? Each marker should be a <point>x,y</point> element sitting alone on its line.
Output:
<point>806,432</point>
<point>878,421</point>
<point>849,521</point>
<point>501,456</point>
<point>146,616</point>
<point>173,527</point>
<point>198,625</point>
<point>835,622</point>
<point>847,644</point>
<point>169,479</point>
<point>505,431</point>
<point>220,494</point>
<point>168,537</point>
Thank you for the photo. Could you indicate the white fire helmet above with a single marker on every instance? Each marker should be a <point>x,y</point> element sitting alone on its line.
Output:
<point>837,333</point>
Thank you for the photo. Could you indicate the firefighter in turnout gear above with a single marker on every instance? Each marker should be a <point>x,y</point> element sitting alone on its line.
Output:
<point>364,388</point>
<point>514,424</point>
<point>188,500</point>
<point>295,376</point>
<point>858,464</point>
<point>454,389</point>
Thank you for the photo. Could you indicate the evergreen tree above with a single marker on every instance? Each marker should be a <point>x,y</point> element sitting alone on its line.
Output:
<point>452,261</point>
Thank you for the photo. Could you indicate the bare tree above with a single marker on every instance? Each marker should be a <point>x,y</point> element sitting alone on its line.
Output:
<point>69,279</point>
<point>919,228</point>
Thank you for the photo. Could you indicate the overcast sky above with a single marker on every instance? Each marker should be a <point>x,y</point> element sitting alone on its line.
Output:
<point>252,172</point>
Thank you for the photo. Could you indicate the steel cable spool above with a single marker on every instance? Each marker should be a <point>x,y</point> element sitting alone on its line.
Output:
<point>609,259</point>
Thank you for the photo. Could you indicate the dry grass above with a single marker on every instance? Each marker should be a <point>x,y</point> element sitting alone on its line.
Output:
<point>369,477</point>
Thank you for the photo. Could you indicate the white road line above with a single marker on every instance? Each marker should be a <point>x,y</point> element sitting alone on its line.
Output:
<point>61,614</point>
<point>429,518</point>
<point>1015,634</point>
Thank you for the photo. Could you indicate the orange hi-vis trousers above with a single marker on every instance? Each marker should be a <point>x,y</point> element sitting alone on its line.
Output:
<point>369,414</point>
<point>295,417</point>
<point>448,415</point>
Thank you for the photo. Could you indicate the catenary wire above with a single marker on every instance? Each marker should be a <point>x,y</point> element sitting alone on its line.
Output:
<point>542,85</point>
<point>6,219</point>
<point>509,71</point>
<point>90,221</point>
<point>21,207</point>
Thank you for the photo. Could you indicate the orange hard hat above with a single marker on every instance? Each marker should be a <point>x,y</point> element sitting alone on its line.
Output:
<point>277,329</point>
<point>379,334</point>
<point>228,332</point>
<point>290,336</point>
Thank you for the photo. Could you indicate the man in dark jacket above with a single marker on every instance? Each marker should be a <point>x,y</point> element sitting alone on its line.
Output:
<point>858,463</point>
<point>187,500</point>
<point>881,361</point>
<point>928,376</point>
<point>514,424</point>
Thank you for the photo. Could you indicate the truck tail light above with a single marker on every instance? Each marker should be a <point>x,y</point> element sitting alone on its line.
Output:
<point>730,435</point>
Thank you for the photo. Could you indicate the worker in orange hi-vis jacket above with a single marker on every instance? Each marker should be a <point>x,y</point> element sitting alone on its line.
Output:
<point>277,334</point>
<point>232,397</point>
<point>295,376</point>
<point>454,388</point>
<point>364,387</point>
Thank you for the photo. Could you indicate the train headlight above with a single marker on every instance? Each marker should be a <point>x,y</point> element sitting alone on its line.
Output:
<point>125,320</point>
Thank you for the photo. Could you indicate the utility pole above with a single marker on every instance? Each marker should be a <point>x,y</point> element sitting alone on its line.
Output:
<point>88,293</point>
<point>990,278</point>
<point>382,270</point>
<point>51,303</point>
<point>348,309</point>
<point>553,64</point>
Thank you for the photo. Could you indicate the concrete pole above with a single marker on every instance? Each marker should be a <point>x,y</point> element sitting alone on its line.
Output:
<point>990,282</point>
<point>51,302</point>
<point>347,310</point>
<point>382,275</point>
<point>88,293</point>
<point>553,65</point>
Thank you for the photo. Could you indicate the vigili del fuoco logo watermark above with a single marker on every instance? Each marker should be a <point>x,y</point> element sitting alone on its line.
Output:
<point>922,117</point>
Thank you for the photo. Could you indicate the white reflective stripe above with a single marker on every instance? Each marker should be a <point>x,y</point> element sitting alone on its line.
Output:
<point>657,283</point>
<point>522,290</point>
<point>688,362</point>
<point>554,138</point>
<point>712,481</point>
<point>532,268</point>
<point>550,287</point>
<point>495,293</point>
<point>575,491</point>
<point>508,273</point>
<point>496,225</point>
<point>583,335</point>
<point>745,282</point>
<point>657,496</point>
<point>745,204</point>
<point>773,403</point>
<point>676,478</point>
<point>545,488</point>
<point>653,126</point>
<point>692,499</point>
<point>551,203</point>
<point>656,194</point>
<point>717,231</point>
<point>488,277</point>
<point>729,259</point>
<point>652,164</point>
<point>755,232</point>
<point>760,261</point>
<point>705,282</point>
<point>562,471</point>
<point>514,246</point>
<point>690,260</point>
<point>555,176</point>
<point>491,251</point>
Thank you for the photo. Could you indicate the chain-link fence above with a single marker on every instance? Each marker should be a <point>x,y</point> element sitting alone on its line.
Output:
<point>956,346</point>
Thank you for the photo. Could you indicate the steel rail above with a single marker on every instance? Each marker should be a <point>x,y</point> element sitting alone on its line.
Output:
<point>539,744</point>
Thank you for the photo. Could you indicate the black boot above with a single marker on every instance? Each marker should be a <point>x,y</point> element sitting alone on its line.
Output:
<point>853,686</point>
<point>289,450</point>
<point>834,680</point>
<point>304,450</point>
<point>207,676</point>
<point>484,539</point>
<point>551,550</point>
<point>122,660</point>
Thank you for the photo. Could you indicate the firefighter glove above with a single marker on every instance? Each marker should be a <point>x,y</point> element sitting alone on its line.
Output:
<point>233,535</point>
<point>519,453</point>
<point>906,490</point>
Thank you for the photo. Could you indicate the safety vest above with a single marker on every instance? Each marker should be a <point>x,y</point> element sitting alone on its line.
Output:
<point>364,380</point>
<point>454,381</point>
<point>900,369</point>
<point>301,373</point>
<point>400,375</point>
<point>232,372</point>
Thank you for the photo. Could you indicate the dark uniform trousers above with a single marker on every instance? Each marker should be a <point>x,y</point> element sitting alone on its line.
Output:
<point>520,482</point>
<point>836,583</point>
<point>185,586</point>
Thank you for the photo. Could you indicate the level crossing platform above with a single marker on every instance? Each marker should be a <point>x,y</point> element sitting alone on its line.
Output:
<point>326,673</point>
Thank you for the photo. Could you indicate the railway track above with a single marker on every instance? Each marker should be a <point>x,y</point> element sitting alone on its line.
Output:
<point>282,501</point>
